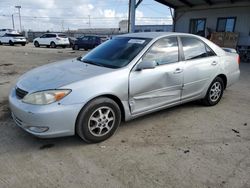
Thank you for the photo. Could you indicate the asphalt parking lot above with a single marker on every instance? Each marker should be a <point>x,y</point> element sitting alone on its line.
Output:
<point>185,146</point>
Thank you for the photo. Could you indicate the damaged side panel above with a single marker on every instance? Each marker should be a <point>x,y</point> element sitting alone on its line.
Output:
<point>153,88</point>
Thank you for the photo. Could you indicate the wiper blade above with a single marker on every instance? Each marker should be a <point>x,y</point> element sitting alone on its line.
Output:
<point>79,58</point>
<point>91,62</point>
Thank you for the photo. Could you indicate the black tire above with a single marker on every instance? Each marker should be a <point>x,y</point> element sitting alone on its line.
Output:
<point>36,44</point>
<point>75,47</point>
<point>86,49</point>
<point>91,116</point>
<point>23,44</point>
<point>214,92</point>
<point>47,46</point>
<point>11,43</point>
<point>1,43</point>
<point>53,44</point>
<point>63,46</point>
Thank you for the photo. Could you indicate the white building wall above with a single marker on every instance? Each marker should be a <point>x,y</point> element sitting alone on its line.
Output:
<point>241,13</point>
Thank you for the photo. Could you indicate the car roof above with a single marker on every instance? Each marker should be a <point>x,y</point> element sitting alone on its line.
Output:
<point>55,33</point>
<point>154,34</point>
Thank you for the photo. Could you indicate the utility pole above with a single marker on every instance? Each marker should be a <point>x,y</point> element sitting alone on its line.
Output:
<point>13,23</point>
<point>19,7</point>
<point>131,21</point>
<point>89,21</point>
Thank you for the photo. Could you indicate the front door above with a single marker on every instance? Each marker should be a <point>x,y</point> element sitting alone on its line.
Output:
<point>160,86</point>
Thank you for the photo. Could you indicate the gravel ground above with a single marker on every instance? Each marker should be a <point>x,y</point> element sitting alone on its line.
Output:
<point>185,146</point>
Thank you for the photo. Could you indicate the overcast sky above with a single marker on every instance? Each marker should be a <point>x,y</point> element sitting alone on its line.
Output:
<point>57,15</point>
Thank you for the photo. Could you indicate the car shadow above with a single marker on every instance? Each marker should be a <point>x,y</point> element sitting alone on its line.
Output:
<point>14,139</point>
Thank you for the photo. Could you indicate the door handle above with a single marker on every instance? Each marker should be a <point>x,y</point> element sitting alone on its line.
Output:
<point>214,63</point>
<point>178,70</point>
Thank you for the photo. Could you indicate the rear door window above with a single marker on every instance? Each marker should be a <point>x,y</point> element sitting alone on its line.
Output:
<point>193,48</point>
<point>62,36</point>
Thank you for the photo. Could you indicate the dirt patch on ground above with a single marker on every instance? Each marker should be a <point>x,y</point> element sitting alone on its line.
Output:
<point>4,110</point>
<point>6,64</point>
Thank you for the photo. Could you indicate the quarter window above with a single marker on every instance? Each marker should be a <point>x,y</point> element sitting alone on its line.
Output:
<point>164,51</point>
<point>194,48</point>
<point>226,24</point>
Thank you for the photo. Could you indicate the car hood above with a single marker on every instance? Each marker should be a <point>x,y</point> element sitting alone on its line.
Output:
<point>56,75</point>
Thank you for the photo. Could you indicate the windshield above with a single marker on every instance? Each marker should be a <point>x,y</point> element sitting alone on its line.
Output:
<point>116,52</point>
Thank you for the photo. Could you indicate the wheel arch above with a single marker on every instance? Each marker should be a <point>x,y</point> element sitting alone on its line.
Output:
<point>224,78</point>
<point>110,96</point>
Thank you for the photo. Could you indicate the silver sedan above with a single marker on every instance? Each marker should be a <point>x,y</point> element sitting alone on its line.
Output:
<point>126,77</point>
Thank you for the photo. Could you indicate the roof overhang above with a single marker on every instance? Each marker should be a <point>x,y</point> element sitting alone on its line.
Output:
<point>175,4</point>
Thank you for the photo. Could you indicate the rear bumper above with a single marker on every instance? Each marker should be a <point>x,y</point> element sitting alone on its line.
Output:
<point>20,42</point>
<point>57,120</point>
<point>62,43</point>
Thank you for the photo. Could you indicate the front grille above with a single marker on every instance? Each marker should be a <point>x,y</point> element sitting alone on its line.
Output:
<point>20,93</point>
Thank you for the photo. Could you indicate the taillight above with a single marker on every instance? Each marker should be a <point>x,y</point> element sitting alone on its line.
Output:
<point>58,38</point>
<point>238,59</point>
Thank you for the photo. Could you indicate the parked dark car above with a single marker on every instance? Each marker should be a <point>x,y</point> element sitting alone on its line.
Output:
<point>86,42</point>
<point>72,41</point>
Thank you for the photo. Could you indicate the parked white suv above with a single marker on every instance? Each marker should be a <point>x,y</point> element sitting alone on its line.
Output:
<point>4,31</point>
<point>52,40</point>
<point>13,39</point>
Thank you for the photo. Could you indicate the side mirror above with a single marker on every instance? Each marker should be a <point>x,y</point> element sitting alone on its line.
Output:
<point>146,65</point>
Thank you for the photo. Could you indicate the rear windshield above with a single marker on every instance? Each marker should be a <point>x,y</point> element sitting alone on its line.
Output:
<point>62,36</point>
<point>13,35</point>
<point>116,52</point>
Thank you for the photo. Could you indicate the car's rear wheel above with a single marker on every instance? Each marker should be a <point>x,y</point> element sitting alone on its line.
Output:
<point>36,44</point>
<point>53,45</point>
<point>214,93</point>
<point>98,120</point>
<point>11,43</point>
<point>23,44</point>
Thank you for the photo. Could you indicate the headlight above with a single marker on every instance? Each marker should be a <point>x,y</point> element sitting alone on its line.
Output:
<point>46,97</point>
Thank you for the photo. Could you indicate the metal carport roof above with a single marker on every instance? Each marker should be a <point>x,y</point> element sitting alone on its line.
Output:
<point>192,3</point>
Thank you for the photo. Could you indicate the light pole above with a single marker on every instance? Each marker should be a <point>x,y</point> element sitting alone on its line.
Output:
<point>19,7</point>
<point>13,23</point>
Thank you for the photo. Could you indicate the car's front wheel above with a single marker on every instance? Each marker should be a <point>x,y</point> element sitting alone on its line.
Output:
<point>75,47</point>
<point>36,44</point>
<point>98,120</point>
<point>214,93</point>
<point>11,43</point>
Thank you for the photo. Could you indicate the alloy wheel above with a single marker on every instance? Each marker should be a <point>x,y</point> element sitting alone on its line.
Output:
<point>215,91</point>
<point>101,121</point>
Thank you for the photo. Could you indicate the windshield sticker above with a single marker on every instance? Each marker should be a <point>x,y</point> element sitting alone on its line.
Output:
<point>136,41</point>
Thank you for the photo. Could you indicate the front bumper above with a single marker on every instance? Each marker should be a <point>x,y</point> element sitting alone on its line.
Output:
<point>56,119</point>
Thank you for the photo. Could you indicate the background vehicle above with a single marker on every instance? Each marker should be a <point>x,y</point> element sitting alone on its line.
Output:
<point>52,40</point>
<point>72,41</point>
<point>86,42</point>
<point>126,77</point>
<point>13,39</point>
<point>10,31</point>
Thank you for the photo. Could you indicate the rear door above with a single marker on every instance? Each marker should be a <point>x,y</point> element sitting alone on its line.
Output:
<point>153,88</point>
<point>200,67</point>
